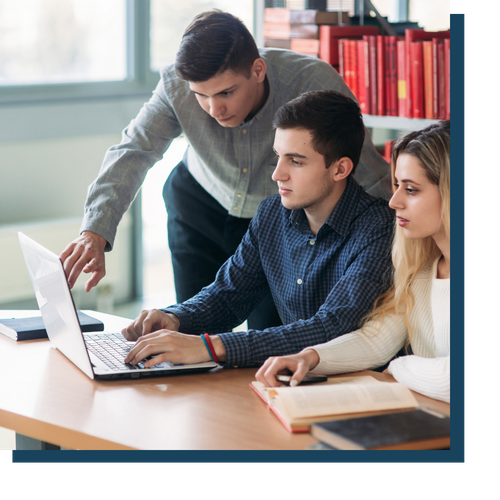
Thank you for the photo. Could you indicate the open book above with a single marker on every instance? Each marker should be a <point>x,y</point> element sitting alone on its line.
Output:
<point>339,397</point>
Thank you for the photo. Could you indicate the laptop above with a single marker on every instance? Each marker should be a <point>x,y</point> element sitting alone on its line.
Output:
<point>98,355</point>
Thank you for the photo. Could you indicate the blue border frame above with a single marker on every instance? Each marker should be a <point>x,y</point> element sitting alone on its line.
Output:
<point>456,451</point>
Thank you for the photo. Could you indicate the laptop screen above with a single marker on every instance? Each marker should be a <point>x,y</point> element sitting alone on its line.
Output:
<point>55,302</point>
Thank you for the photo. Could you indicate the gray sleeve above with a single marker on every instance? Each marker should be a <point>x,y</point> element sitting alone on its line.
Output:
<point>125,165</point>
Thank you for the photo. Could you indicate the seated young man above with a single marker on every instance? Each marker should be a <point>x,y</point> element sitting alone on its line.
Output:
<point>322,247</point>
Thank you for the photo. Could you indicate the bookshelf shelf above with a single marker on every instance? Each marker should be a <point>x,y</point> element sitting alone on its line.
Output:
<point>396,122</point>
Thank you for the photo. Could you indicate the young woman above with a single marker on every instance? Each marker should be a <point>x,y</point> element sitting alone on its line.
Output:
<point>415,311</point>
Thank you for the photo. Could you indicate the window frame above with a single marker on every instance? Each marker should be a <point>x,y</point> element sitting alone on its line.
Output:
<point>140,79</point>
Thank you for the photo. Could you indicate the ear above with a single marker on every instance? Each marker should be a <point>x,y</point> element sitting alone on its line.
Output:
<point>259,69</point>
<point>342,168</point>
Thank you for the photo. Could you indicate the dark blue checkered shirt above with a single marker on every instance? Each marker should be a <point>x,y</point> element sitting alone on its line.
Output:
<point>322,285</point>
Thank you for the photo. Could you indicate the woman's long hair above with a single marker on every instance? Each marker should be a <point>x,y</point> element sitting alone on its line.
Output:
<point>431,146</point>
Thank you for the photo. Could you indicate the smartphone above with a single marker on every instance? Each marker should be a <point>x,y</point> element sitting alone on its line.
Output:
<point>308,379</point>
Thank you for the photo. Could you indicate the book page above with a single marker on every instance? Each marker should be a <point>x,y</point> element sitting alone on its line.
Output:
<point>9,332</point>
<point>337,399</point>
<point>269,392</point>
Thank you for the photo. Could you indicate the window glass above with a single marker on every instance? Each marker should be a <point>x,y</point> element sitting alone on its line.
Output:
<point>432,15</point>
<point>57,41</point>
<point>170,18</point>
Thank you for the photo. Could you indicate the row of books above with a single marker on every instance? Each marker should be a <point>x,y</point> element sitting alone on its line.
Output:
<point>392,76</point>
<point>407,76</point>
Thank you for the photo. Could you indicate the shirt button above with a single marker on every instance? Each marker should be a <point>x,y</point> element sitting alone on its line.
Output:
<point>245,170</point>
<point>312,242</point>
<point>299,281</point>
<point>235,208</point>
<point>239,195</point>
<point>244,130</point>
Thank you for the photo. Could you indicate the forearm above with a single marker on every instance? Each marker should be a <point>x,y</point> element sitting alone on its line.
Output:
<point>369,347</point>
<point>112,192</point>
<point>209,312</point>
<point>427,376</point>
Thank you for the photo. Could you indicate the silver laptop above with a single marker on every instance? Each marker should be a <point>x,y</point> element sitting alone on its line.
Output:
<point>98,355</point>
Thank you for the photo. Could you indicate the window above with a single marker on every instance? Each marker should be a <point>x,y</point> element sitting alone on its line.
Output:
<point>169,19</point>
<point>61,41</point>
<point>68,49</point>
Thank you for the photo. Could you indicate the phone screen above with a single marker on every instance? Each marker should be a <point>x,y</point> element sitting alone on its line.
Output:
<point>308,379</point>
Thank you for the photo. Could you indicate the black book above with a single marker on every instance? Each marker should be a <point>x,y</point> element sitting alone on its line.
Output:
<point>33,327</point>
<point>407,430</point>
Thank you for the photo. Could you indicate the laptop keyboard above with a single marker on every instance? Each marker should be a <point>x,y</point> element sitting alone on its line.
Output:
<point>111,349</point>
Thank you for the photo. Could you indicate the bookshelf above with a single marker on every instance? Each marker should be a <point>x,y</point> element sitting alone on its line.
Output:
<point>411,67</point>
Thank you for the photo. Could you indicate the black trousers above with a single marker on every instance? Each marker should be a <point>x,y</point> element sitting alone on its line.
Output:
<point>202,236</point>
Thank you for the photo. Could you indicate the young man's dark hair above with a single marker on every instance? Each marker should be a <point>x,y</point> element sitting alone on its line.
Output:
<point>334,120</point>
<point>213,43</point>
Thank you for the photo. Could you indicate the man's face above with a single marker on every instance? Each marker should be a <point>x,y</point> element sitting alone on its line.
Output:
<point>302,177</point>
<point>231,97</point>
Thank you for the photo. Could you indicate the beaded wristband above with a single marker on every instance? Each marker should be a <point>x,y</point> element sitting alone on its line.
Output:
<point>210,347</point>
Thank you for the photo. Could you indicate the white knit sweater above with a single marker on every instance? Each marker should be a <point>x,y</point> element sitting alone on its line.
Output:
<point>427,371</point>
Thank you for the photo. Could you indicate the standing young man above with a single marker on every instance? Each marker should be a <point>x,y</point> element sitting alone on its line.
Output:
<point>222,94</point>
<point>321,248</point>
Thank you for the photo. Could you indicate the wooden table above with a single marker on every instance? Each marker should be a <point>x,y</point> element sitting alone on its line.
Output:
<point>44,396</point>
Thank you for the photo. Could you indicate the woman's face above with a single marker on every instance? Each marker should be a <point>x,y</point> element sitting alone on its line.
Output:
<point>416,200</point>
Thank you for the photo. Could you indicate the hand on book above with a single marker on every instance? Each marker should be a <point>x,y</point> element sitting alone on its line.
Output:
<point>299,364</point>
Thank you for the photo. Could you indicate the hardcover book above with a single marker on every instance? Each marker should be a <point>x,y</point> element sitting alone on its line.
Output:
<point>33,327</point>
<point>407,430</point>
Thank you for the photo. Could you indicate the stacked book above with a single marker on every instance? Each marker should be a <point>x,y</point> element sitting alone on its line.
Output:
<point>399,76</point>
<point>298,30</point>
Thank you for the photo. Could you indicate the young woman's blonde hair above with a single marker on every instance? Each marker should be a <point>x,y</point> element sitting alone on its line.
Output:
<point>431,147</point>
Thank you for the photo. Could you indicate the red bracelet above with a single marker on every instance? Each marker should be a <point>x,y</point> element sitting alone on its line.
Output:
<point>210,346</point>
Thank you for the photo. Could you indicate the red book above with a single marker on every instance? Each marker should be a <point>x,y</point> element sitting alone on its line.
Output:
<point>388,150</point>
<point>402,98</point>
<point>350,56</point>
<point>393,76</point>
<point>363,76</point>
<point>342,59</point>
<point>287,30</point>
<point>447,77</point>
<point>308,16</point>
<point>301,45</point>
<point>417,80</point>
<point>372,65</point>
<point>305,46</point>
<point>329,36</point>
<point>435,78</point>
<point>428,81</point>
<point>441,84</point>
<point>387,78</point>
<point>380,76</point>
<point>411,36</point>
